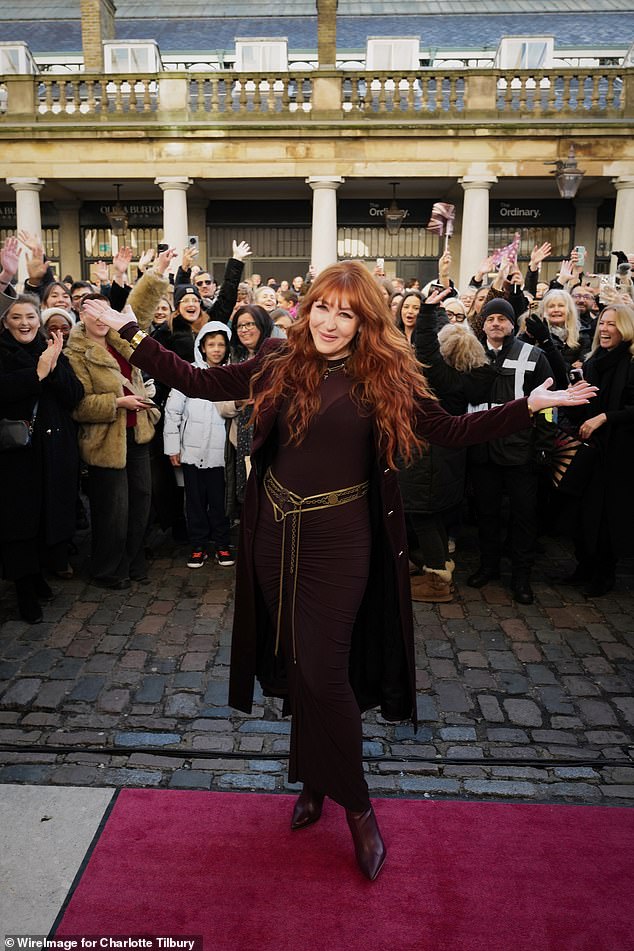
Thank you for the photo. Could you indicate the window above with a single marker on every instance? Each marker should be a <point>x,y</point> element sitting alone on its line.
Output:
<point>138,56</point>
<point>393,52</point>
<point>16,60</point>
<point>525,52</point>
<point>261,55</point>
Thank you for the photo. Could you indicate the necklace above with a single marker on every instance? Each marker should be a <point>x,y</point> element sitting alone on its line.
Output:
<point>334,366</point>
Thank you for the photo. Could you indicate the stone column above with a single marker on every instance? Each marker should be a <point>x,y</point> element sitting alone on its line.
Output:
<point>69,238</point>
<point>27,207</point>
<point>175,228</point>
<point>324,232</point>
<point>474,243</point>
<point>623,232</point>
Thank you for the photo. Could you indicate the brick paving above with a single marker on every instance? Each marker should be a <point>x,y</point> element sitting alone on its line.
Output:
<point>130,688</point>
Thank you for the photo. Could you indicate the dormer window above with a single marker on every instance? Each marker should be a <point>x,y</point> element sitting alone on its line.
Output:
<point>16,60</point>
<point>393,52</point>
<point>132,56</point>
<point>261,54</point>
<point>525,52</point>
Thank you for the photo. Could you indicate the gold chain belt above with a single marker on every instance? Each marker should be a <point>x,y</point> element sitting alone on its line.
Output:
<point>287,503</point>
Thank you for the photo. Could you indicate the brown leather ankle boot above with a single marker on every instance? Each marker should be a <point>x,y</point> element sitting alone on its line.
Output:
<point>307,808</point>
<point>368,844</point>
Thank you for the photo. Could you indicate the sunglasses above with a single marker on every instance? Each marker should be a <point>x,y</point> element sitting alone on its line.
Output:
<point>201,283</point>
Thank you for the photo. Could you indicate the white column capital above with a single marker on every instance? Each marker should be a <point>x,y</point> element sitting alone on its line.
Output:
<point>26,184</point>
<point>477,181</point>
<point>623,181</point>
<point>174,183</point>
<point>329,182</point>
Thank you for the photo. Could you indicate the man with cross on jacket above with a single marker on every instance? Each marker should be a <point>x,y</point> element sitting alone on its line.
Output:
<point>509,466</point>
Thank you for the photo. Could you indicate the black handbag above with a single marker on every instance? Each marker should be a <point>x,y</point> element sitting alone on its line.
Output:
<point>17,433</point>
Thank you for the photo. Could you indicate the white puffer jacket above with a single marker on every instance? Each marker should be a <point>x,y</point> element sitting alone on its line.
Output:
<point>195,428</point>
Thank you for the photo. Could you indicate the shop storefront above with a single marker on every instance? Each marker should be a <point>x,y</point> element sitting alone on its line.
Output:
<point>537,220</point>
<point>279,233</point>
<point>144,231</point>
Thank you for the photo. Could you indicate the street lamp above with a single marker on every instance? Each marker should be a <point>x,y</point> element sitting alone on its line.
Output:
<point>567,175</point>
<point>393,216</point>
<point>117,217</point>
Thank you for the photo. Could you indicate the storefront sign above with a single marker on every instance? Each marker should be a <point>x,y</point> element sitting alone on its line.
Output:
<point>283,213</point>
<point>532,213</point>
<point>141,214</point>
<point>371,211</point>
<point>48,212</point>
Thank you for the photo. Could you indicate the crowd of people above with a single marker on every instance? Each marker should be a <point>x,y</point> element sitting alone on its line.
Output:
<point>141,452</point>
<point>340,447</point>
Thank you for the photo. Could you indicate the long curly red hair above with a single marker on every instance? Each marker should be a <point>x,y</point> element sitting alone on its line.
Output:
<point>386,377</point>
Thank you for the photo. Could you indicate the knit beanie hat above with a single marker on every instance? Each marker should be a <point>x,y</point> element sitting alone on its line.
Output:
<point>57,312</point>
<point>183,289</point>
<point>498,306</point>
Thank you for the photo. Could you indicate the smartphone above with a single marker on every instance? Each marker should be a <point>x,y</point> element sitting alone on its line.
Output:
<point>162,247</point>
<point>576,375</point>
<point>435,288</point>
<point>193,241</point>
<point>581,255</point>
<point>533,307</point>
<point>380,262</point>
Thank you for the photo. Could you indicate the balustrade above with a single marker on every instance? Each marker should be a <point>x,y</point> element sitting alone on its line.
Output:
<point>424,95</point>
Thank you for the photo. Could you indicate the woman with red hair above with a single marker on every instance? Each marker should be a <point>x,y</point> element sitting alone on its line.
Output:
<point>322,608</point>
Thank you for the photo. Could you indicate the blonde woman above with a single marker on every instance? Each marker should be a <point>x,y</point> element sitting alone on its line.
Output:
<point>604,521</point>
<point>560,311</point>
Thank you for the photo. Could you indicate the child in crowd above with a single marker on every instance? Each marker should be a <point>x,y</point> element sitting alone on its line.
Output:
<point>194,439</point>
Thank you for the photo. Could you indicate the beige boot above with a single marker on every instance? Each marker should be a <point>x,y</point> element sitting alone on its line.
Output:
<point>434,585</point>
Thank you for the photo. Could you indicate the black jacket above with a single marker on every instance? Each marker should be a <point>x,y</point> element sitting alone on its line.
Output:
<point>525,446</point>
<point>222,307</point>
<point>38,485</point>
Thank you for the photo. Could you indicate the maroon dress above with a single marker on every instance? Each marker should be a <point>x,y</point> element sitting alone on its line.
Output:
<point>332,574</point>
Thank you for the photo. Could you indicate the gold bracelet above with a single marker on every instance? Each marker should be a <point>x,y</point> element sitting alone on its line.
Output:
<point>138,337</point>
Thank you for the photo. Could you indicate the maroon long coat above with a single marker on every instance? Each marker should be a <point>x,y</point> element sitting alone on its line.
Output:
<point>382,663</point>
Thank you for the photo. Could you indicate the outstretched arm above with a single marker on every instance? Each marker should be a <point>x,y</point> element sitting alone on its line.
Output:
<point>439,428</point>
<point>216,383</point>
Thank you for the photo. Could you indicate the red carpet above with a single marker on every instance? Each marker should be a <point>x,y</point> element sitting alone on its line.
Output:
<point>458,877</point>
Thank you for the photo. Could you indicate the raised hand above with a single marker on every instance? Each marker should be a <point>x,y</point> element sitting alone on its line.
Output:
<point>542,397</point>
<point>164,260</point>
<point>146,259</point>
<point>121,261</point>
<point>36,265</point>
<point>101,310</point>
<point>48,359</point>
<point>565,272</point>
<point>9,257</point>
<point>100,270</point>
<point>241,251</point>
<point>444,266</point>
<point>438,296</point>
<point>539,254</point>
<point>485,268</point>
<point>188,258</point>
<point>32,241</point>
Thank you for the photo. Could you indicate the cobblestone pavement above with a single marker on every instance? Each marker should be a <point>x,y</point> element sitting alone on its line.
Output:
<point>130,688</point>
